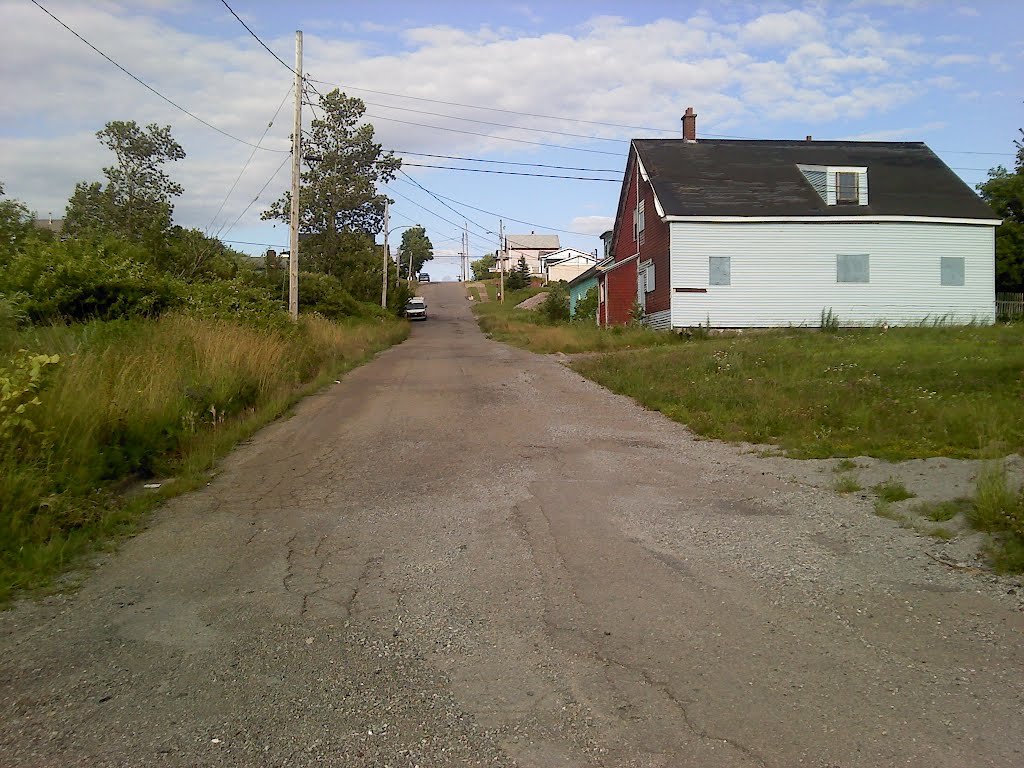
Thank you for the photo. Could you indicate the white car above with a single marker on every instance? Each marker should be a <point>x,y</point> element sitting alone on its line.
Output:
<point>416,308</point>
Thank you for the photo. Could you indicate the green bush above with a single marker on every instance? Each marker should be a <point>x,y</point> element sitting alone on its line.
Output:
<point>326,295</point>
<point>586,307</point>
<point>74,280</point>
<point>556,305</point>
<point>246,298</point>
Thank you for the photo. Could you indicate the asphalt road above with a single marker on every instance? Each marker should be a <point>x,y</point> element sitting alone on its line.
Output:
<point>465,554</point>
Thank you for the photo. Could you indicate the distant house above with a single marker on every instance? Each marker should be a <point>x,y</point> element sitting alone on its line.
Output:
<point>580,285</point>
<point>532,247</point>
<point>49,224</point>
<point>565,264</point>
<point>775,233</point>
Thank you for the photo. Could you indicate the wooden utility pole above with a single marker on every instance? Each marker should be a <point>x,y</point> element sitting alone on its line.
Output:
<point>501,256</point>
<point>465,251</point>
<point>293,257</point>
<point>387,257</point>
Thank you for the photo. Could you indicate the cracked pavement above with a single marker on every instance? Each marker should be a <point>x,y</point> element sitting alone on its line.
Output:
<point>465,554</point>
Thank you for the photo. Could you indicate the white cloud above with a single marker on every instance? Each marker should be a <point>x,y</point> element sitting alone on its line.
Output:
<point>965,10</point>
<point>777,29</point>
<point>592,225</point>
<point>957,58</point>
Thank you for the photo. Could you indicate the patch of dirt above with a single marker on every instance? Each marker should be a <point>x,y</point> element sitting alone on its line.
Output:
<point>533,302</point>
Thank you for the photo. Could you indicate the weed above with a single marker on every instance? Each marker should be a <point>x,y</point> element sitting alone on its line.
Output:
<point>942,511</point>
<point>829,321</point>
<point>844,465</point>
<point>892,490</point>
<point>1000,511</point>
<point>847,484</point>
<point>885,509</point>
<point>940,532</point>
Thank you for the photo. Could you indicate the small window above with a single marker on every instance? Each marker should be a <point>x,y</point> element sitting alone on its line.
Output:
<point>952,268</point>
<point>852,268</point>
<point>847,188</point>
<point>638,223</point>
<point>649,278</point>
<point>720,270</point>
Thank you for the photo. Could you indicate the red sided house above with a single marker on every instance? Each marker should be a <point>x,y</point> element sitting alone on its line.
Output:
<point>741,234</point>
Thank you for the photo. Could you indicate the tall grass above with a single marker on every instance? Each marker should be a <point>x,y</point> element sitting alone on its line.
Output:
<point>897,394</point>
<point>137,399</point>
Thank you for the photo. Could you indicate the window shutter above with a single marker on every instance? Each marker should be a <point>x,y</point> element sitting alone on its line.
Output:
<point>650,278</point>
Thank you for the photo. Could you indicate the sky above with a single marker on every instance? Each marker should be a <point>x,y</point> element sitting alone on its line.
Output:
<point>522,86</point>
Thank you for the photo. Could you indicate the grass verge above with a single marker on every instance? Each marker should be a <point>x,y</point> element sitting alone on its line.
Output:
<point>139,399</point>
<point>897,394</point>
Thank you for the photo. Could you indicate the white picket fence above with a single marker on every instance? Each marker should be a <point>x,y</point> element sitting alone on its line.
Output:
<point>1009,305</point>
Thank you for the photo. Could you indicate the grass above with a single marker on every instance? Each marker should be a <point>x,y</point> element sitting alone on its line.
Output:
<point>531,330</point>
<point>140,399</point>
<point>942,511</point>
<point>845,465</point>
<point>474,292</point>
<point>892,490</point>
<point>847,484</point>
<point>897,394</point>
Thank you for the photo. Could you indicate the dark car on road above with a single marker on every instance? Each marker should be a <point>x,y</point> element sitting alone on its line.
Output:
<point>416,308</point>
<point>424,277</point>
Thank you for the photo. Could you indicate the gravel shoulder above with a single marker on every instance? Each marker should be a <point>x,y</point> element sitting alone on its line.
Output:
<point>466,554</point>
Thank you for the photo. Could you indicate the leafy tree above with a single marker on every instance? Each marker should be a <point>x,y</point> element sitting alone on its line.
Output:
<point>514,280</point>
<point>15,223</point>
<point>136,202</point>
<point>1004,191</point>
<point>481,267</point>
<point>339,186</point>
<point>416,244</point>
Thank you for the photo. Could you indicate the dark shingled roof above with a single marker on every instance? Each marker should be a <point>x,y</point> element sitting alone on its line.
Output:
<point>719,177</point>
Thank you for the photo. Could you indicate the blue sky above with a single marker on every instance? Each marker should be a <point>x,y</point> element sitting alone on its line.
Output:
<point>527,75</point>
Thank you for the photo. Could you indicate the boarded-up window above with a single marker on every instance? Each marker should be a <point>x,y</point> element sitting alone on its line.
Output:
<point>638,223</point>
<point>952,268</point>
<point>852,268</point>
<point>649,278</point>
<point>720,270</point>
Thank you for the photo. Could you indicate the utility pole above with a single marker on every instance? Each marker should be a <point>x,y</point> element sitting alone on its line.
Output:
<point>408,271</point>
<point>465,251</point>
<point>501,256</point>
<point>387,257</point>
<point>293,257</point>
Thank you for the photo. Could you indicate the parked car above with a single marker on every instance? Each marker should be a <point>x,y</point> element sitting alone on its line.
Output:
<point>416,308</point>
<point>424,277</point>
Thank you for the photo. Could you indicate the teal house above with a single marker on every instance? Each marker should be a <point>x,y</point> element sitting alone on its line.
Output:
<point>579,286</point>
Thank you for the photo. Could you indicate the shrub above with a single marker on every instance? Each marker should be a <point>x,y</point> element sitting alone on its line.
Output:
<point>892,490</point>
<point>244,298</point>
<point>586,307</point>
<point>62,281</point>
<point>327,296</point>
<point>556,305</point>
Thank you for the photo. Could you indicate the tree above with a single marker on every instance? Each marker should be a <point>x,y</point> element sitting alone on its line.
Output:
<point>416,244</point>
<point>1004,191</point>
<point>15,223</point>
<point>524,271</point>
<point>136,202</point>
<point>482,267</point>
<point>345,165</point>
<point>514,280</point>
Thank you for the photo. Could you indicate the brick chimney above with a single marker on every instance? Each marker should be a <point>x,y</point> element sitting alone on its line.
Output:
<point>690,125</point>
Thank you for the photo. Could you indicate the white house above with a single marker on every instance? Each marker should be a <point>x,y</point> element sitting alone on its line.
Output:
<point>533,247</point>
<point>774,233</point>
<point>565,264</point>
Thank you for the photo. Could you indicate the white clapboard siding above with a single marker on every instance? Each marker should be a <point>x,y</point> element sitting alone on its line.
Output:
<point>659,321</point>
<point>785,273</point>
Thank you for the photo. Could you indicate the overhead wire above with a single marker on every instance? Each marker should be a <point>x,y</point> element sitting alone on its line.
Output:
<point>511,173</point>
<point>251,155</point>
<point>257,197</point>
<point>150,88</point>
<point>402,152</point>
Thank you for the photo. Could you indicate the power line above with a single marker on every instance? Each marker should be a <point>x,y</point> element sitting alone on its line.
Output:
<point>499,138</point>
<point>284,64</point>
<point>506,162</point>
<point>510,173</point>
<point>251,155</point>
<point>151,88</point>
<point>497,215</point>
<point>498,125</point>
<point>262,189</point>
<point>496,109</point>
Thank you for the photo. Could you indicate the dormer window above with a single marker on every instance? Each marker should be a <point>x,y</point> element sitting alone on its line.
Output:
<point>847,188</point>
<point>837,185</point>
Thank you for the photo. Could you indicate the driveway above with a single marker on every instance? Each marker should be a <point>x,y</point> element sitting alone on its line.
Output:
<point>465,554</point>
